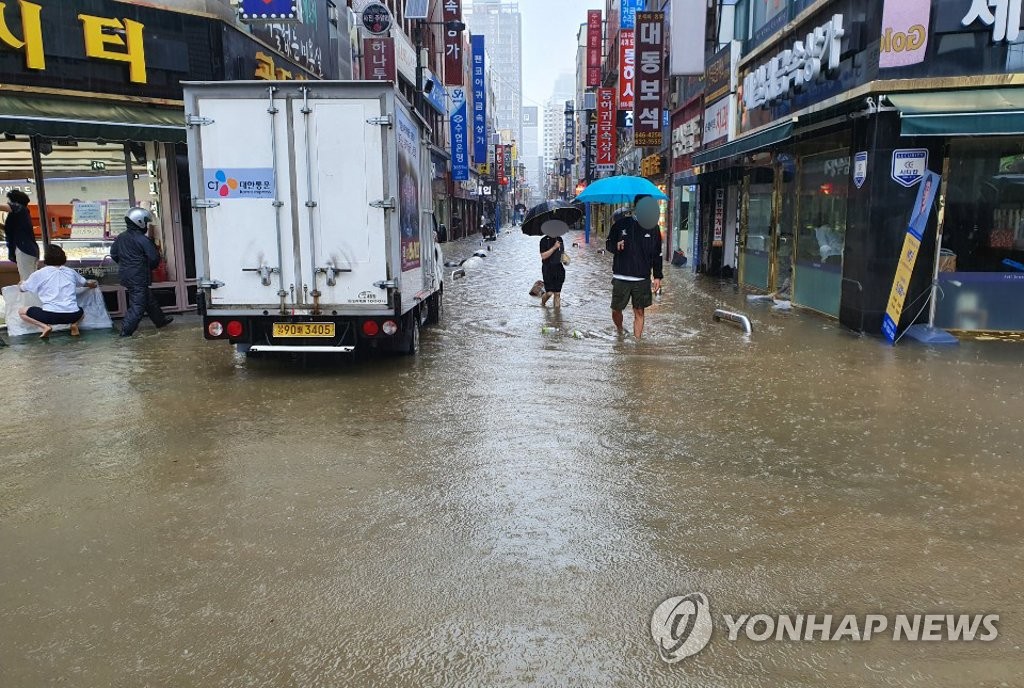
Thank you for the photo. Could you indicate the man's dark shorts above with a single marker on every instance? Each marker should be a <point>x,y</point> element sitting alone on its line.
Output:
<point>624,291</point>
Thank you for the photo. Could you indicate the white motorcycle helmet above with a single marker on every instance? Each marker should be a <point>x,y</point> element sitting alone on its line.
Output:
<point>139,218</point>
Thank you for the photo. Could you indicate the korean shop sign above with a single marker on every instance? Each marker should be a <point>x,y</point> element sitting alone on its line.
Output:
<point>452,44</point>
<point>105,38</point>
<point>649,108</point>
<point>605,130</point>
<point>686,137</point>
<point>627,69</point>
<point>1002,16</point>
<point>810,59</point>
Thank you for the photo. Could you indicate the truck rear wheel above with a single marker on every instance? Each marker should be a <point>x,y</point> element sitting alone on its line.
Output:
<point>412,337</point>
<point>435,308</point>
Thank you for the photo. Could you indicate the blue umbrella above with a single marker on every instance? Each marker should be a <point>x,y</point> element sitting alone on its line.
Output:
<point>621,189</point>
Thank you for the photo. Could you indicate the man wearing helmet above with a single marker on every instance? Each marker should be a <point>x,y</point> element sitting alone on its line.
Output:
<point>137,257</point>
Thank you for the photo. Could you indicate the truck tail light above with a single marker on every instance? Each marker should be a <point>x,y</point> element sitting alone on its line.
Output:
<point>235,328</point>
<point>390,327</point>
<point>215,328</point>
<point>371,328</point>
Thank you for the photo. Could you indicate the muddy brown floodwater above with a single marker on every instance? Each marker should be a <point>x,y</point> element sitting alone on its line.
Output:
<point>510,507</point>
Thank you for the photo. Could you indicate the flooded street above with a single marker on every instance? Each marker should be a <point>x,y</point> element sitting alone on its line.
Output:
<point>509,507</point>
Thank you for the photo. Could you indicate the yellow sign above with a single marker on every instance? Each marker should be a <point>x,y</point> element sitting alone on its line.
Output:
<point>31,31</point>
<point>904,271</point>
<point>105,38</point>
<point>118,40</point>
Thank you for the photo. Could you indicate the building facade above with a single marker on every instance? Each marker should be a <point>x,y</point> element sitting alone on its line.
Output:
<point>501,23</point>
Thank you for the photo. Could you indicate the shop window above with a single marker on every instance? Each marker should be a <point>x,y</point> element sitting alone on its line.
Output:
<point>756,251</point>
<point>981,266</point>
<point>821,231</point>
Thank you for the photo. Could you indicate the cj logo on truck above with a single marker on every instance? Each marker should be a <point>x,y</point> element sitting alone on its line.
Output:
<point>681,626</point>
<point>248,182</point>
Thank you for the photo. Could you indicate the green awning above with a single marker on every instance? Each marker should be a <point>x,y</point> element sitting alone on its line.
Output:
<point>968,112</point>
<point>752,142</point>
<point>90,119</point>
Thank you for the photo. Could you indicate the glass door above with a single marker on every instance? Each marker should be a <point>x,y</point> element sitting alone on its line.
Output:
<point>757,245</point>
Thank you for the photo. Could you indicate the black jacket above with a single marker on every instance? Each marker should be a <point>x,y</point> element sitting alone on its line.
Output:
<point>18,232</point>
<point>642,254</point>
<point>136,257</point>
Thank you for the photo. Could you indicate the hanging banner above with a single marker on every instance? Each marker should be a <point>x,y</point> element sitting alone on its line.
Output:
<point>479,101</point>
<point>627,70</point>
<point>570,131</point>
<point>627,18</point>
<point>605,130</point>
<point>718,238</point>
<point>649,111</point>
<point>919,216</point>
<point>904,32</point>
<point>499,164</point>
<point>460,136</point>
<point>686,56</point>
<point>593,48</point>
<point>509,168</point>
<point>379,59</point>
<point>452,44</point>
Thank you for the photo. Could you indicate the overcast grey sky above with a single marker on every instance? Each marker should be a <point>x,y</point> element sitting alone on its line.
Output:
<point>549,42</point>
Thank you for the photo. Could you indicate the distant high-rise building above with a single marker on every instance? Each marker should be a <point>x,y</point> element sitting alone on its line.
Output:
<point>529,150</point>
<point>554,121</point>
<point>500,22</point>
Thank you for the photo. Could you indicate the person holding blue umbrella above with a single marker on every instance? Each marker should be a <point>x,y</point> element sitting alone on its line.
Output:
<point>635,243</point>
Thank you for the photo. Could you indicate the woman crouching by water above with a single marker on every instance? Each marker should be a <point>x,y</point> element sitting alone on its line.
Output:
<point>55,286</point>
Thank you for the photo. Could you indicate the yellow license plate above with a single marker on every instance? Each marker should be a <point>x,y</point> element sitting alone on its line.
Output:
<point>312,329</point>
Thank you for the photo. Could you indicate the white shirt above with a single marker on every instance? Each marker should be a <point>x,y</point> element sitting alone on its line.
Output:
<point>55,287</point>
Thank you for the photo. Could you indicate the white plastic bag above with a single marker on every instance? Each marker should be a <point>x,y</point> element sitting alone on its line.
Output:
<point>90,300</point>
<point>96,316</point>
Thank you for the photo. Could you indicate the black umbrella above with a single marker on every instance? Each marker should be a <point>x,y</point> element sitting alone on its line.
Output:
<point>550,210</point>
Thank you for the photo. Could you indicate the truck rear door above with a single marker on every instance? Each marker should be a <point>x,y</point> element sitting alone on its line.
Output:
<point>342,198</point>
<point>242,162</point>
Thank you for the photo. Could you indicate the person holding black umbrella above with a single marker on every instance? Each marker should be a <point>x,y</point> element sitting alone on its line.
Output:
<point>552,252</point>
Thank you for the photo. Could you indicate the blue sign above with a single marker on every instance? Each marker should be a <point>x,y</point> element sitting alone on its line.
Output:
<point>269,10</point>
<point>627,16</point>
<point>480,147</point>
<point>460,135</point>
<point>909,165</point>
<point>436,97</point>
<point>860,169</point>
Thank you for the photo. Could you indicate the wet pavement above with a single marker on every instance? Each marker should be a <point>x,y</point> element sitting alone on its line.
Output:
<point>509,507</point>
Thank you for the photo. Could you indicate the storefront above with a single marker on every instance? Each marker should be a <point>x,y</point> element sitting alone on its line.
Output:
<point>93,124</point>
<point>686,138</point>
<point>826,161</point>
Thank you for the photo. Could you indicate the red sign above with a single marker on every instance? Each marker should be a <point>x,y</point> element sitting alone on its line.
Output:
<point>647,113</point>
<point>499,164</point>
<point>627,70</point>
<point>452,45</point>
<point>379,59</point>
<point>594,48</point>
<point>606,130</point>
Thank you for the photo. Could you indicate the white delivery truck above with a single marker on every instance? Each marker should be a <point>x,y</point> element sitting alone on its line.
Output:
<point>312,216</point>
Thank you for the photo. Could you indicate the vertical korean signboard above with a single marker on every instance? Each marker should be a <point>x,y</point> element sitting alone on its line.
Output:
<point>499,164</point>
<point>627,16</point>
<point>627,70</point>
<point>460,136</point>
<point>570,133</point>
<point>605,130</point>
<point>452,44</point>
<point>648,114</point>
<point>379,59</point>
<point>593,48</point>
<point>479,101</point>
<point>509,171</point>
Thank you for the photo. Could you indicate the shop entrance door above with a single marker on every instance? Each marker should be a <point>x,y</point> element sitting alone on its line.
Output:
<point>756,251</point>
<point>783,244</point>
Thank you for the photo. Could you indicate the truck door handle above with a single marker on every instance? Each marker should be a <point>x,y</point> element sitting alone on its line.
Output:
<point>332,274</point>
<point>265,272</point>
